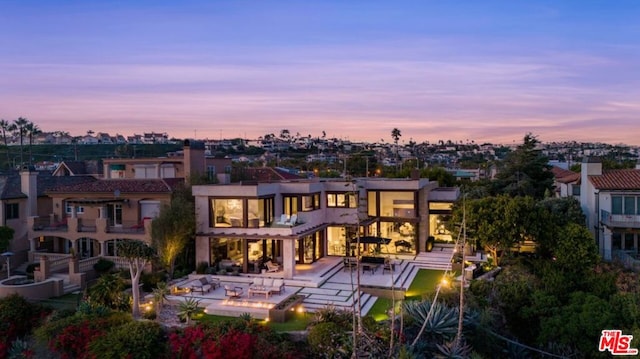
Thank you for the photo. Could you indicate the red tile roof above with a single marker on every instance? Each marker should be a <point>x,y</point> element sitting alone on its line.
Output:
<point>626,179</point>
<point>122,185</point>
<point>564,176</point>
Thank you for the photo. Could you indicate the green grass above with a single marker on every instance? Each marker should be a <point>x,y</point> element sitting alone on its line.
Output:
<point>299,321</point>
<point>425,282</point>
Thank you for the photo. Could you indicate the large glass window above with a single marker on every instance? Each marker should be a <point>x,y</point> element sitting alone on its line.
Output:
<point>402,235</point>
<point>249,213</point>
<point>336,240</point>
<point>290,205</point>
<point>397,204</point>
<point>342,200</point>
<point>372,203</point>
<point>628,205</point>
<point>228,212</point>
<point>310,202</point>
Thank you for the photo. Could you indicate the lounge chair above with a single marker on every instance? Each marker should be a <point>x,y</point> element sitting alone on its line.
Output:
<point>233,292</point>
<point>292,221</point>
<point>214,282</point>
<point>272,267</point>
<point>200,285</point>
<point>284,219</point>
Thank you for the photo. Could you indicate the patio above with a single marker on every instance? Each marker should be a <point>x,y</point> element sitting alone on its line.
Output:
<point>323,282</point>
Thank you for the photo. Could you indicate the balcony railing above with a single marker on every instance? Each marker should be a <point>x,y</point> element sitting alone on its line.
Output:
<point>630,260</point>
<point>619,220</point>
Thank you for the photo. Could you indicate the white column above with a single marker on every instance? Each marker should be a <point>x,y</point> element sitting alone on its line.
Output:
<point>289,258</point>
<point>605,245</point>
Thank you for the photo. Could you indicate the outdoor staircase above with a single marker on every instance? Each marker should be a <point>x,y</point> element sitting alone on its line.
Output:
<point>341,294</point>
<point>439,258</point>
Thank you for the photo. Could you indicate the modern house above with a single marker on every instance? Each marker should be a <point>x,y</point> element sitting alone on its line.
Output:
<point>298,222</point>
<point>611,202</point>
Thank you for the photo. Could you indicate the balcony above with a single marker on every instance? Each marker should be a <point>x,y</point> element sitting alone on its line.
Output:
<point>99,228</point>
<point>619,220</point>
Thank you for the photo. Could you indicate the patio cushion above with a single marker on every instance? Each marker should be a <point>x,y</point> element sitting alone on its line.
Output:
<point>268,282</point>
<point>257,281</point>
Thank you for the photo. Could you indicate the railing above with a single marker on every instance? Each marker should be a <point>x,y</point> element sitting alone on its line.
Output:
<point>628,259</point>
<point>45,223</point>
<point>52,256</point>
<point>86,225</point>
<point>86,265</point>
<point>121,263</point>
<point>619,220</point>
<point>127,227</point>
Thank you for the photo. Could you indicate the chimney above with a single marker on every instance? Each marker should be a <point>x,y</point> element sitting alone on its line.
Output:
<point>29,186</point>
<point>592,166</point>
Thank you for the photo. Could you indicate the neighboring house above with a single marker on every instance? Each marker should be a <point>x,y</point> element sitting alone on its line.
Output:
<point>566,182</point>
<point>300,221</point>
<point>611,202</point>
<point>191,161</point>
<point>91,216</point>
<point>79,168</point>
<point>22,198</point>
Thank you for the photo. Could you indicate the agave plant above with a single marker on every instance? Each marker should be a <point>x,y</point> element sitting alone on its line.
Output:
<point>187,309</point>
<point>442,322</point>
<point>451,351</point>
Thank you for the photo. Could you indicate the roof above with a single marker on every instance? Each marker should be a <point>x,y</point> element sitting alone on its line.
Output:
<point>624,179</point>
<point>268,174</point>
<point>76,168</point>
<point>122,186</point>
<point>564,176</point>
<point>11,187</point>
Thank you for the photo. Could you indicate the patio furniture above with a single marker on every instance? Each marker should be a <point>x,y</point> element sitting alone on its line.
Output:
<point>292,221</point>
<point>200,285</point>
<point>233,292</point>
<point>284,219</point>
<point>272,267</point>
<point>214,282</point>
<point>349,263</point>
<point>388,266</point>
<point>369,267</point>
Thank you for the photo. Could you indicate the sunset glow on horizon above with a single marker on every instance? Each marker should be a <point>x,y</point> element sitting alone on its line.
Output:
<point>488,71</point>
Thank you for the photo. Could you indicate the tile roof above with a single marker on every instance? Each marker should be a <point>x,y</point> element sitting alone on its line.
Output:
<point>122,185</point>
<point>564,176</point>
<point>625,179</point>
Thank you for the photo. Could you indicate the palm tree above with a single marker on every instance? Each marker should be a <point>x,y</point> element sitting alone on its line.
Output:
<point>20,130</point>
<point>32,130</point>
<point>395,134</point>
<point>6,127</point>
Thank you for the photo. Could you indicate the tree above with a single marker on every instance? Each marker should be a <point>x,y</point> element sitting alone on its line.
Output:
<point>20,130</point>
<point>498,223</point>
<point>174,227</point>
<point>395,134</point>
<point>525,171</point>
<point>31,131</point>
<point>138,254</point>
<point>6,127</point>
<point>6,235</point>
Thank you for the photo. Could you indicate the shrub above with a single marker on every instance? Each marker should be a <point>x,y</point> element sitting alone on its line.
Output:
<point>328,340</point>
<point>73,340</point>
<point>143,338</point>
<point>18,318</point>
<point>151,280</point>
<point>103,266</point>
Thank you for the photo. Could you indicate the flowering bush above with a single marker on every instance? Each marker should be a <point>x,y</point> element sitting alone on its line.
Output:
<point>18,318</point>
<point>74,339</point>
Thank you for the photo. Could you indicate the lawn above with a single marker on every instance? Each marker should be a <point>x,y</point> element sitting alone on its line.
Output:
<point>426,281</point>
<point>298,322</point>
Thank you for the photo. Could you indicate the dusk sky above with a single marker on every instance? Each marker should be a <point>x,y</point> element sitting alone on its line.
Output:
<point>489,71</point>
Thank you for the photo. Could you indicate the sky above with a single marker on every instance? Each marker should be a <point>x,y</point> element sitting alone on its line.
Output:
<point>487,71</point>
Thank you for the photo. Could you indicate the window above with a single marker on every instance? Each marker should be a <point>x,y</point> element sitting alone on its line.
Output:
<point>11,211</point>
<point>79,209</point>
<point>628,205</point>
<point>211,172</point>
<point>341,200</point>
<point>310,202</point>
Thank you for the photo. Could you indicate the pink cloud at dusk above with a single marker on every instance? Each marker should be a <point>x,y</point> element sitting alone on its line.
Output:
<point>491,80</point>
